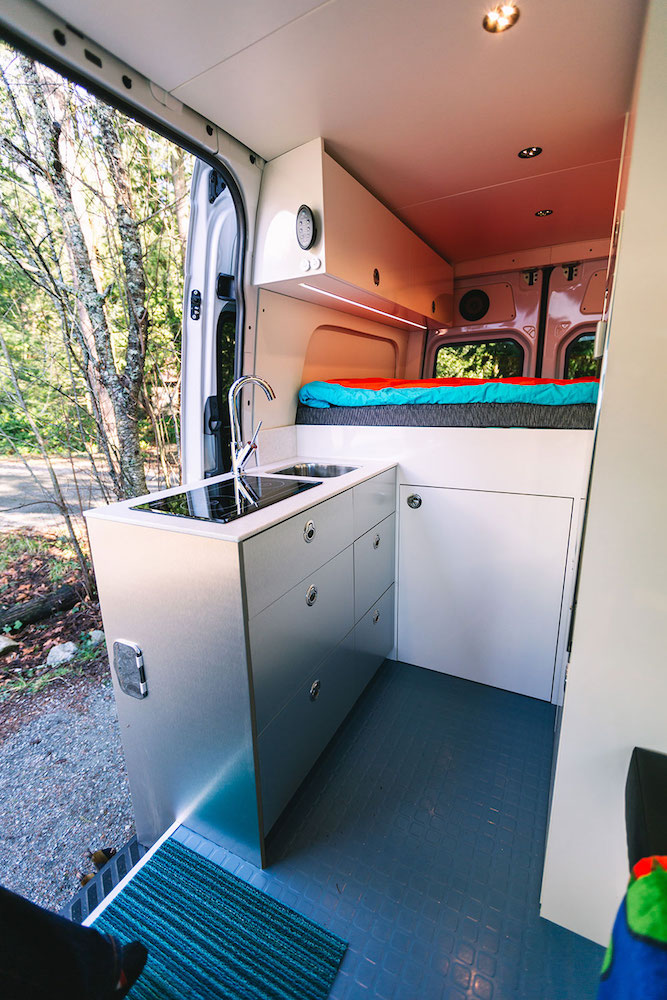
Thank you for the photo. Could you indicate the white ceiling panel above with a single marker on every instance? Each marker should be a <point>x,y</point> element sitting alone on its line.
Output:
<point>172,41</point>
<point>414,99</point>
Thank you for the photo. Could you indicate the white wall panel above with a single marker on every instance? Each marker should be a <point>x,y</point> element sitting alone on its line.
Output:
<point>617,682</point>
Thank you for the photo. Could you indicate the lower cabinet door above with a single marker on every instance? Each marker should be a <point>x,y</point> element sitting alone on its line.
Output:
<point>481,579</point>
<point>292,742</point>
<point>374,637</point>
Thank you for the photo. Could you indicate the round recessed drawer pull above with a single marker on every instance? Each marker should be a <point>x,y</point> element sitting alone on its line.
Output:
<point>311,596</point>
<point>376,617</point>
<point>414,501</point>
<point>376,542</point>
<point>309,531</point>
<point>315,690</point>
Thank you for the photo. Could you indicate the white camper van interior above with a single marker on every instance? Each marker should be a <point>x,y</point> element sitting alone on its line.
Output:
<point>388,649</point>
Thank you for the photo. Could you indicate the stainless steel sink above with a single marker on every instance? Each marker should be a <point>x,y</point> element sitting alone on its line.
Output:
<point>316,470</point>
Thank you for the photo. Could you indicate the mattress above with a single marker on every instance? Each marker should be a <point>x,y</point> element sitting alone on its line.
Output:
<point>515,402</point>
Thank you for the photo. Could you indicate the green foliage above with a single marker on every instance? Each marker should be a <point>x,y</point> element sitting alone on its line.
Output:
<point>51,361</point>
<point>493,359</point>
<point>580,360</point>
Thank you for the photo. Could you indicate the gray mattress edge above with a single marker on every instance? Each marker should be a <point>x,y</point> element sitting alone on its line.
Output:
<point>575,416</point>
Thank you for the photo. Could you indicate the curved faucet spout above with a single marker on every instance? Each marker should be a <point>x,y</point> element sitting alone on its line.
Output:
<point>240,452</point>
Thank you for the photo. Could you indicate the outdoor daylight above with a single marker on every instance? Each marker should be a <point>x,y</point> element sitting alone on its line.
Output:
<point>93,225</point>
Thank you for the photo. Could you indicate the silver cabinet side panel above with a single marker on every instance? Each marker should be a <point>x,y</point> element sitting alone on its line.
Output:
<point>188,744</point>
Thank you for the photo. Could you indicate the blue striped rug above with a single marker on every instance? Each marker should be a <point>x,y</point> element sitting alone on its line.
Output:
<point>211,936</point>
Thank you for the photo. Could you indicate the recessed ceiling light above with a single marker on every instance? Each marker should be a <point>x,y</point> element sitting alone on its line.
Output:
<point>529,152</point>
<point>501,17</point>
<point>544,211</point>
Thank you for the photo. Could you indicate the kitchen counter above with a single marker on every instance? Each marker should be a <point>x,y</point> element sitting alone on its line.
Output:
<point>250,524</point>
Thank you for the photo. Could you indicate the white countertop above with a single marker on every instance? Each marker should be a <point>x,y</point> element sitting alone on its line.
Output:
<point>249,524</point>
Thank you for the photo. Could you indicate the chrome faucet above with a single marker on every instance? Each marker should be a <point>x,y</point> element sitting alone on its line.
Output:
<point>242,452</point>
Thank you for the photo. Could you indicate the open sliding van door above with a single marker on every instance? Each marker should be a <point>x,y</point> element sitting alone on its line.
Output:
<point>212,322</point>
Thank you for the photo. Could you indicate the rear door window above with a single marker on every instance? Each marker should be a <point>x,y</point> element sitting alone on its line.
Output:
<point>480,359</point>
<point>579,360</point>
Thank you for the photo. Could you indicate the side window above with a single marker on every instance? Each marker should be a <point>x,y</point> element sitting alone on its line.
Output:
<point>579,360</point>
<point>480,359</point>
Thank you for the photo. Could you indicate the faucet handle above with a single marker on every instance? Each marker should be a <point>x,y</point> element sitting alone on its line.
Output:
<point>253,442</point>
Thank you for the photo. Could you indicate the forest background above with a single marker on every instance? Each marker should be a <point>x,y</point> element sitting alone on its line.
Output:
<point>94,212</point>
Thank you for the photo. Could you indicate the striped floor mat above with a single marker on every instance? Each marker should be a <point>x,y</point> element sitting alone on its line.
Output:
<point>211,936</point>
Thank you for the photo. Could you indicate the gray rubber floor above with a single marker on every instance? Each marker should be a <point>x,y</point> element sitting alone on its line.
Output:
<point>419,839</point>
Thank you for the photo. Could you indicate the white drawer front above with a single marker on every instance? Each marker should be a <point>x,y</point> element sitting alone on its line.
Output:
<point>279,557</point>
<point>373,501</point>
<point>293,741</point>
<point>374,635</point>
<point>290,637</point>
<point>373,564</point>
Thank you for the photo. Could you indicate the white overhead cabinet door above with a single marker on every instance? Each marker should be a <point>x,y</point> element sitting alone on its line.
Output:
<point>481,583</point>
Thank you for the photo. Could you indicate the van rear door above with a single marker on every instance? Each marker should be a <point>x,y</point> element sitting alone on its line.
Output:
<point>212,310</point>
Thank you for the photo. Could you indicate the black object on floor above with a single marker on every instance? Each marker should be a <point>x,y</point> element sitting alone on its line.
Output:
<point>646,804</point>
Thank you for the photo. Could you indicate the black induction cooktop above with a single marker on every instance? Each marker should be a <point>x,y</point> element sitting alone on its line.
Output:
<point>228,499</point>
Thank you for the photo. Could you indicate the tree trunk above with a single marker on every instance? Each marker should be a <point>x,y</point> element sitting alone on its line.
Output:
<point>29,612</point>
<point>181,192</point>
<point>123,390</point>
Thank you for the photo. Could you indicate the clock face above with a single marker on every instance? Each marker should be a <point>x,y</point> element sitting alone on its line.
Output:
<point>306,233</point>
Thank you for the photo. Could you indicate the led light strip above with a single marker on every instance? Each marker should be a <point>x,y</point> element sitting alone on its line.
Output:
<point>359,305</point>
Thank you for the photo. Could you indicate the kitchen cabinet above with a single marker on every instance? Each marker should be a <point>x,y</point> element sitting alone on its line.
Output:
<point>481,584</point>
<point>361,253</point>
<point>254,652</point>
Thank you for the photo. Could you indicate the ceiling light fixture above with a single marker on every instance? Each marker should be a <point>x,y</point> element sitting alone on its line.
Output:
<point>501,17</point>
<point>360,305</point>
<point>544,211</point>
<point>529,152</point>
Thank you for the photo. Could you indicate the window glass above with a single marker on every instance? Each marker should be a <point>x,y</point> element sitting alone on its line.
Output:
<point>480,359</point>
<point>579,360</point>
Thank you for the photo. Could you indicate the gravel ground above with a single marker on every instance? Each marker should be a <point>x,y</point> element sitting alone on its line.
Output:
<point>63,789</point>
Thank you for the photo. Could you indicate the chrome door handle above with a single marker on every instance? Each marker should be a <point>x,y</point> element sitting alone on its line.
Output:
<point>414,501</point>
<point>311,596</point>
<point>309,531</point>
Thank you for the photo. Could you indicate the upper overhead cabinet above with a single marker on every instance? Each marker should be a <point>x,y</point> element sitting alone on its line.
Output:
<point>361,253</point>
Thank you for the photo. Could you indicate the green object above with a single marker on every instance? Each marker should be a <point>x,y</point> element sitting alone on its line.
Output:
<point>645,906</point>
